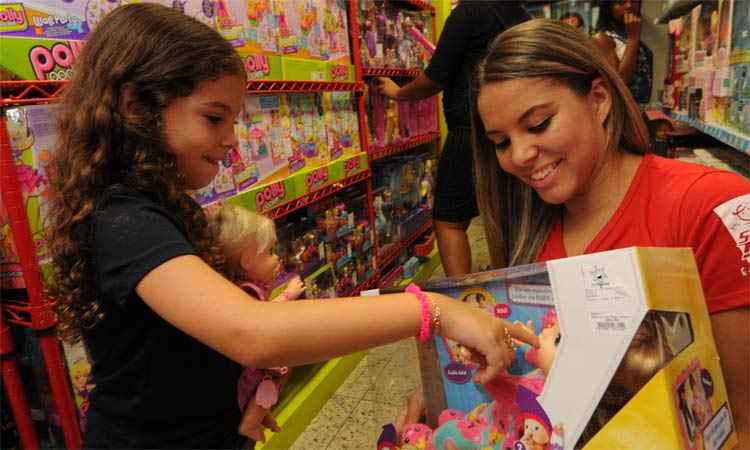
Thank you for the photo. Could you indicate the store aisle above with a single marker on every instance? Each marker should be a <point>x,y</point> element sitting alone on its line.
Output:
<point>376,389</point>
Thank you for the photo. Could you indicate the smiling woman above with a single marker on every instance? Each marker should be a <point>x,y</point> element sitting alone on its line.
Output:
<point>563,169</point>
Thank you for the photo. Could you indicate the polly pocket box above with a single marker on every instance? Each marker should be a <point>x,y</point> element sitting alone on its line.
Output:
<point>625,359</point>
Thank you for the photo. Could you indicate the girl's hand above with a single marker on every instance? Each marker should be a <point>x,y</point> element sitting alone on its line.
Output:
<point>388,87</point>
<point>294,289</point>
<point>632,24</point>
<point>489,338</point>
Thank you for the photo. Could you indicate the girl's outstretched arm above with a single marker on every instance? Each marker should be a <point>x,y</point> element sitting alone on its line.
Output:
<point>190,295</point>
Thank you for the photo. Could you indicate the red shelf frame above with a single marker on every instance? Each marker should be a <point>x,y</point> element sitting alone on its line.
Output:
<point>418,4</point>
<point>38,92</point>
<point>312,197</point>
<point>392,254</point>
<point>30,92</point>
<point>377,152</point>
<point>39,308</point>
<point>390,72</point>
<point>268,86</point>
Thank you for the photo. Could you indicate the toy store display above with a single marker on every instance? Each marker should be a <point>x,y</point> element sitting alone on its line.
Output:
<point>306,29</point>
<point>711,59</point>
<point>394,37</point>
<point>32,138</point>
<point>625,358</point>
<point>391,122</point>
<point>402,200</point>
<point>330,245</point>
<point>289,145</point>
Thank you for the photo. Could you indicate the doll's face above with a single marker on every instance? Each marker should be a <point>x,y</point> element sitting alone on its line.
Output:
<point>534,432</point>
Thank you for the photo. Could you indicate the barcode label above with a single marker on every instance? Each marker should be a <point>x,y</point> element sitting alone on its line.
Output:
<point>610,326</point>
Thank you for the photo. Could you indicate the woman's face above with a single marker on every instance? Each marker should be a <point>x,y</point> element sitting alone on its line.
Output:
<point>547,135</point>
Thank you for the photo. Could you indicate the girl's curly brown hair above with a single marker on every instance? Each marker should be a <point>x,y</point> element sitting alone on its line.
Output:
<point>160,55</point>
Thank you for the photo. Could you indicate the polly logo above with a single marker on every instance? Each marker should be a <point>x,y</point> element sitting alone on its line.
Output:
<point>316,178</point>
<point>339,72</point>
<point>270,196</point>
<point>12,16</point>
<point>352,165</point>
<point>257,66</point>
<point>43,60</point>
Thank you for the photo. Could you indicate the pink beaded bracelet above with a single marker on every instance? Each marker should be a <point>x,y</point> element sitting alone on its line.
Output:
<point>424,330</point>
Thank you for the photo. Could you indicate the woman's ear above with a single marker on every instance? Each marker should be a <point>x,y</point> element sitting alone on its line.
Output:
<point>601,100</point>
<point>128,106</point>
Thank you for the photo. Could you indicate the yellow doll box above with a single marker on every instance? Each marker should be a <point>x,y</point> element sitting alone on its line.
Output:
<point>625,359</point>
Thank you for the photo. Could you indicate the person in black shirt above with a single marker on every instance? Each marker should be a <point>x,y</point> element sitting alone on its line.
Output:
<point>467,32</point>
<point>148,115</point>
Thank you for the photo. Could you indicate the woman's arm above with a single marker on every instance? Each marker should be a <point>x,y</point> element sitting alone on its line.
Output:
<point>625,66</point>
<point>191,296</point>
<point>732,335</point>
<point>417,89</point>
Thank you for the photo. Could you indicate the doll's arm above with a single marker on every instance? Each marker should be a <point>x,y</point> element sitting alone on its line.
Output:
<point>293,290</point>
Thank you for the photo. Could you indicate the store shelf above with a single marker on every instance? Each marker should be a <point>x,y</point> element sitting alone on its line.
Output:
<point>36,92</point>
<point>732,138</point>
<point>266,86</point>
<point>397,248</point>
<point>678,9</point>
<point>29,92</point>
<point>426,269</point>
<point>378,152</point>
<point>390,72</point>
<point>416,4</point>
<point>312,197</point>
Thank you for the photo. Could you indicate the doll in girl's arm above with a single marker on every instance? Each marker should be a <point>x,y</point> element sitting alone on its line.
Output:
<point>247,240</point>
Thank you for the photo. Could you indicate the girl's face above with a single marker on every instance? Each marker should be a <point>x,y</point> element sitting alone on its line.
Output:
<point>547,135</point>
<point>199,128</point>
<point>534,431</point>
<point>620,7</point>
<point>261,267</point>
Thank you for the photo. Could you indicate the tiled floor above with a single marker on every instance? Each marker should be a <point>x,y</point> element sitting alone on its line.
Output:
<point>376,389</point>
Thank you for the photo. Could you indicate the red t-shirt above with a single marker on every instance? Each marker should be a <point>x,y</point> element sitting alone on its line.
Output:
<point>672,203</point>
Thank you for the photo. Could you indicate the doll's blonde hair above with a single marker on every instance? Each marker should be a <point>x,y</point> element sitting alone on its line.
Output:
<point>237,228</point>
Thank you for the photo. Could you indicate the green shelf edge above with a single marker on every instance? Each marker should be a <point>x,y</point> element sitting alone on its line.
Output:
<point>295,412</point>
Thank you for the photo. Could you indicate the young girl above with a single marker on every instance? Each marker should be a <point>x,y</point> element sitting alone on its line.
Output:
<point>248,240</point>
<point>563,170</point>
<point>149,114</point>
<point>618,36</point>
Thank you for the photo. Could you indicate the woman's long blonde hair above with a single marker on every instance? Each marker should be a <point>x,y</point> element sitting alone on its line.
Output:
<point>516,220</point>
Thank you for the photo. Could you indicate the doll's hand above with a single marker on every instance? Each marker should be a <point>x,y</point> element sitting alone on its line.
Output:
<point>388,87</point>
<point>294,289</point>
<point>632,24</point>
<point>489,339</point>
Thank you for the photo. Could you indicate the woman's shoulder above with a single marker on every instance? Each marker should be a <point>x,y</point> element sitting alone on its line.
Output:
<point>692,184</point>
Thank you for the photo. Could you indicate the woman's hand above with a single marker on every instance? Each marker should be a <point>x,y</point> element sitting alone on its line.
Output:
<point>489,338</point>
<point>388,87</point>
<point>632,24</point>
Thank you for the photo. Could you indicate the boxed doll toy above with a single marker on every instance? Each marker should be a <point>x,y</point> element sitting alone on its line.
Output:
<point>625,359</point>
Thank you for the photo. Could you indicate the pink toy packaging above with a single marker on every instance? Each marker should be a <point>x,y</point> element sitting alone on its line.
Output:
<point>623,357</point>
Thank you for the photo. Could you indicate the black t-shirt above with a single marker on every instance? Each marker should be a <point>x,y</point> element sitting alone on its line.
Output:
<point>463,42</point>
<point>156,387</point>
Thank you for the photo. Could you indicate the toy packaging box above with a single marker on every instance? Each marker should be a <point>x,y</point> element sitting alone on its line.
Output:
<point>32,138</point>
<point>625,359</point>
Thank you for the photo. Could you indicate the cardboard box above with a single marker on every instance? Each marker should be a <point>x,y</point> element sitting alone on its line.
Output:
<point>626,358</point>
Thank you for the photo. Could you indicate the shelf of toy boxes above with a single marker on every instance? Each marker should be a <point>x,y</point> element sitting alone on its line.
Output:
<point>710,67</point>
<point>732,138</point>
